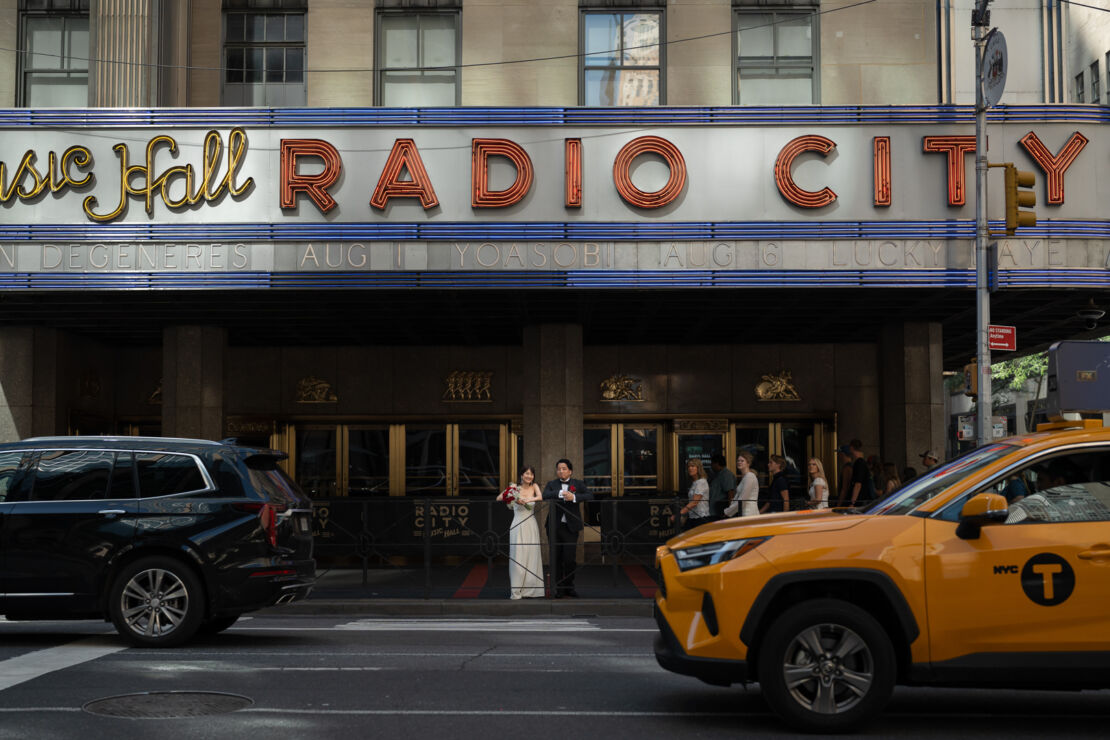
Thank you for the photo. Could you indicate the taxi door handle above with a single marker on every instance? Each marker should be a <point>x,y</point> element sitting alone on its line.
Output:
<point>121,512</point>
<point>1098,552</point>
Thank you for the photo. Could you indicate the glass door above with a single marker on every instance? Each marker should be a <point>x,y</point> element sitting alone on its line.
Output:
<point>426,472</point>
<point>598,444</point>
<point>316,460</point>
<point>622,459</point>
<point>639,473</point>
<point>367,460</point>
<point>476,468</point>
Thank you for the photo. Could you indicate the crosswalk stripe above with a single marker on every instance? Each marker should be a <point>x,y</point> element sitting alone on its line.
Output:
<point>29,666</point>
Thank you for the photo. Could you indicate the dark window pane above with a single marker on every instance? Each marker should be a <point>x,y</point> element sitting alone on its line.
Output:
<point>275,64</point>
<point>123,477</point>
<point>294,27</point>
<point>255,27</point>
<point>234,65</point>
<point>253,65</point>
<point>72,475</point>
<point>235,26</point>
<point>275,28</point>
<point>164,475</point>
<point>294,65</point>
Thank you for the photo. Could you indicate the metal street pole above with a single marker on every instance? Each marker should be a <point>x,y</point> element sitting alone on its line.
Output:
<point>980,21</point>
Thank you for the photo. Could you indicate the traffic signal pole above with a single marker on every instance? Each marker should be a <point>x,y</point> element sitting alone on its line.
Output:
<point>980,20</point>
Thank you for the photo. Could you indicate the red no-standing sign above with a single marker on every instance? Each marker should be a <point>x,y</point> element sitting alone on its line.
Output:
<point>1002,338</point>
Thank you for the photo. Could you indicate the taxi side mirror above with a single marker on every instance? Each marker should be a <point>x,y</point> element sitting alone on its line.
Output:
<point>981,509</point>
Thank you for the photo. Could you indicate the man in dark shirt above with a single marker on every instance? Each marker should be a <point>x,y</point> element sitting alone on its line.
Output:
<point>721,488</point>
<point>863,487</point>
<point>844,457</point>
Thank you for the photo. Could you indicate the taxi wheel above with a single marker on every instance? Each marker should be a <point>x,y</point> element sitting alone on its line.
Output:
<point>826,666</point>
<point>156,602</point>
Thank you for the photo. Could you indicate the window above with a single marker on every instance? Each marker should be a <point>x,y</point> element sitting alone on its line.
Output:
<point>622,59</point>
<point>1074,487</point>
<point>72,475</point>
<point>418,59</point>
<point>11,475</point>
<point>54,68</point>
<point>1095,94</point>
<point>1079,88</point>
<point>264,52</point>
<point>776,53</point>
<point>164,475</point>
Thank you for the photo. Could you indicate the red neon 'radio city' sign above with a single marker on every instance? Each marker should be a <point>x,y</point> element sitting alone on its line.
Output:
<point>405,157</point>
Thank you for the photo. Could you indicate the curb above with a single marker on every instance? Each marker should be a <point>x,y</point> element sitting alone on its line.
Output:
<point>467,607</point>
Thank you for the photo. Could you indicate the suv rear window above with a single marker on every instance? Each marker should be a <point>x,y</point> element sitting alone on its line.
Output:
<point>161,474</point>
<point>272,481</point>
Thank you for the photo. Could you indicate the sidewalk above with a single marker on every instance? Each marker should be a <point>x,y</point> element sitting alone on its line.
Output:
<point>474,590</point>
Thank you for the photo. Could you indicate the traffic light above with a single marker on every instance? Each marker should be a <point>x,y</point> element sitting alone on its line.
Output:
<point>971,378</point>
<point>1019,195</point>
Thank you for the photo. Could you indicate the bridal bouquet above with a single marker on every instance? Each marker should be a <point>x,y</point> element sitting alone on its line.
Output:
<point>511,495</point>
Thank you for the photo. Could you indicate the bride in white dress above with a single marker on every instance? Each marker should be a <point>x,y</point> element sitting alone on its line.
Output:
<point>525,560</point>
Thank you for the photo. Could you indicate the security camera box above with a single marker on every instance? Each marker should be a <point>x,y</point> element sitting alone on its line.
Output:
<point>1078,378</point>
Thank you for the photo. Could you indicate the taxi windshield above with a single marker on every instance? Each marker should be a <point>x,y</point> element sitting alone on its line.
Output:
<point>940,478</point>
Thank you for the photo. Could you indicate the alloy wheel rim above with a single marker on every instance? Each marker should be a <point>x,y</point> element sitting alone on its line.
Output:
<point>828,668</point>
<point>154,602</point>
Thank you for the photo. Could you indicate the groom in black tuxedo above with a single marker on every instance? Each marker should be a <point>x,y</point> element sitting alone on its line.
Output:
<point>565,492</point>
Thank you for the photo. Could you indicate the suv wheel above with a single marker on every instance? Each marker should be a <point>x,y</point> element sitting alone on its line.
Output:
<point>156,602</point>
<point>826,666</point>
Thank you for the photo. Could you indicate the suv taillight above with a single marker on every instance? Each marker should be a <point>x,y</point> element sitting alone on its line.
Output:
<point>267,517</point>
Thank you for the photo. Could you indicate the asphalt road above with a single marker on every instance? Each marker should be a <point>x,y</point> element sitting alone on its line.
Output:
<point>452,677</point>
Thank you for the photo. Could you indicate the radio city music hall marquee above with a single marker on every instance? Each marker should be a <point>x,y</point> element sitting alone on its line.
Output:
<point>522,174</point>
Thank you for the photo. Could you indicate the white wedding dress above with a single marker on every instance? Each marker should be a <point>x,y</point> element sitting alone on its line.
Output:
<point>525,560</point>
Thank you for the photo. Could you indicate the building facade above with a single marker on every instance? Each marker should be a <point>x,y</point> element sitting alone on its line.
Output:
<point>419,243</point>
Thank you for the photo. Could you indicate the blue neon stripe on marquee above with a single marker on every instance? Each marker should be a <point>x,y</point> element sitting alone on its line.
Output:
<point>549,231</point>
<point>587,279</point>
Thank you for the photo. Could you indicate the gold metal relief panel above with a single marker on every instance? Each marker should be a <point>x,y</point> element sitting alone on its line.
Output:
<point>313,390</point>
<point>621,387</point>
<point>777,387</point>
<point>468,386</point>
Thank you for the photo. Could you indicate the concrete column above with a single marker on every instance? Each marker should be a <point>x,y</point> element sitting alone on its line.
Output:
<point>124,42</point>
<point>28,383</point>
<point>553,397</point>
<point>193,381</point>
<point>912,392</point>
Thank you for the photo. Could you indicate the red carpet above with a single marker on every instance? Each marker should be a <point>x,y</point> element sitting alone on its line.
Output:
<point>641,579</point>
<point>474,583</point>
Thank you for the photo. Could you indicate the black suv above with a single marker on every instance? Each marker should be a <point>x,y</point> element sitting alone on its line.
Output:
<point>165,537</point>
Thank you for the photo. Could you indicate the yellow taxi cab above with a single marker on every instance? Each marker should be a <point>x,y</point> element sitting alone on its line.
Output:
<point>990,571</point>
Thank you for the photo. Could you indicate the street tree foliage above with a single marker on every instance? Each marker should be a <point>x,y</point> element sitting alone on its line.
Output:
<point>1013,374</point>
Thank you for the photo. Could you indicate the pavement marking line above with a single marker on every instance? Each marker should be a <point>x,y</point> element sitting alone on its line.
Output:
<point>467,625</point>
<point>493,713</point>
<point>357,627</point>
<point>30,666</point>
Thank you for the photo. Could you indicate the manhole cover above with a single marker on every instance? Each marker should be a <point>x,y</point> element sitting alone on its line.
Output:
<point>167,704</point>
